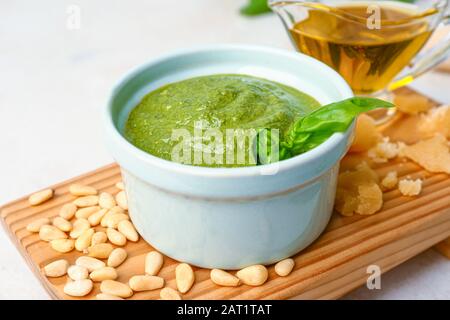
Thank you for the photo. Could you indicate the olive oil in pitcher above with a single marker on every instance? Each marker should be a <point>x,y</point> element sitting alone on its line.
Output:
<point>368,58</point>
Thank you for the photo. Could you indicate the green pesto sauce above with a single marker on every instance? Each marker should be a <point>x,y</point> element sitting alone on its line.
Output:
<point>224,101</point>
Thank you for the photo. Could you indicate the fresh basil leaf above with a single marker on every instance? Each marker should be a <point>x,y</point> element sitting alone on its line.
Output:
<point>315,128</point>
<point>337,116</point>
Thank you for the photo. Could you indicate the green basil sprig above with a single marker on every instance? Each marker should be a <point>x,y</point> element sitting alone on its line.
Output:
<point>313,129</point>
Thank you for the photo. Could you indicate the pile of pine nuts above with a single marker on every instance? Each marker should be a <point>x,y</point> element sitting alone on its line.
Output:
<point>98,225</point>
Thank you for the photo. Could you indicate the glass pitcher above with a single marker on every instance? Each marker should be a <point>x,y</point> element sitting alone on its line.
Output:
<point>374,45</point>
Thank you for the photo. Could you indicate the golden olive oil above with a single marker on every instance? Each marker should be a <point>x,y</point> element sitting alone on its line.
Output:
<point>368,58</point>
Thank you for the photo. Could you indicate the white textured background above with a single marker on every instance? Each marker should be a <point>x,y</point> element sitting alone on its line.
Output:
<point>54,83</point>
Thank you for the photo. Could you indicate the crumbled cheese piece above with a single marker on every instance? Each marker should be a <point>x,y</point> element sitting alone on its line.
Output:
<point>370,199</point>
<point>383,151</point>
<point>364,174</point>
<point>358,192</point>
<point>410,187</point>
<point>401,147</point>
<point>345,203</point>
<point>366,134</point>
<point>390,180</point>
<point>412,103</point>
<point>433,154</point>
<point>436,121</point>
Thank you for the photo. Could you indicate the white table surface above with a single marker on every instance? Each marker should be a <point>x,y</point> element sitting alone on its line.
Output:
<point>54,82</point>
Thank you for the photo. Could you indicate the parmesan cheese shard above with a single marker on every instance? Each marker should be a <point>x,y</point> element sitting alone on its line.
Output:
<point>411,103</point>
<point>383,151</point>
<point>401,146</point>
<point>358,192</point>
<point>370,199</point>
<point>433,154</point>
<point>345,203</point>
<point>436,121</point>
<point>410,187</point>
<point>366,134</point>
<point>389,182</point>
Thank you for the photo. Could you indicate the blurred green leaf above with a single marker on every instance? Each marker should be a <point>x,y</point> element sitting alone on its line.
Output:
<point>255,7</point>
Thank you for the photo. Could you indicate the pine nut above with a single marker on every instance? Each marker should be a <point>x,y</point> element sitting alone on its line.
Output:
<point>114,219</point>
<point>77,272</point>
<point>86,201</point>
<point>223,278</point>
<point>78,227</point>
<point>153,263</point>
<point>100,251</point>
<point>81,190</point>
<point>98,237</point>
<point>121,199</point>
<point>110,212</point>
<point>89,263</point>
<point>102,274</point>
<point>127,229</point>
<point>116,237</point>
<point>145,283</point>
<point>62,224</point>
<point>105,296</point>
<point>84,240</point>
<point>78,288</point>
<point>105,218</point>
<point>56,268</point>
<point>169,294</point>
<point>253,275</point>
<point>49,233</point>
<point>184,276</point>
<point>116,288</point>
<point>68,211</point>
<point>117,209</point>
<point>106,200</point>
<point>284,267</point>
<point>85,213</point>
<point>119,185</point>
<point>63,245</point>
<point>40,197</point>
<point>95,218</point>
<point>36,225</point>
<point>117,257</point>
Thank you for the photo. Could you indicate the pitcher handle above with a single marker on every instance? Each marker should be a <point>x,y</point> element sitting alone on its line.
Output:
<point>425,61</point>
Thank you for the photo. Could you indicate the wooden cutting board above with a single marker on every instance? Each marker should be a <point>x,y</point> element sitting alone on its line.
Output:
<point>333,265</point>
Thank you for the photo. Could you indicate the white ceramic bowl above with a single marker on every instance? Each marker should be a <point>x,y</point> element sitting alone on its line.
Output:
<point>229,217</point>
